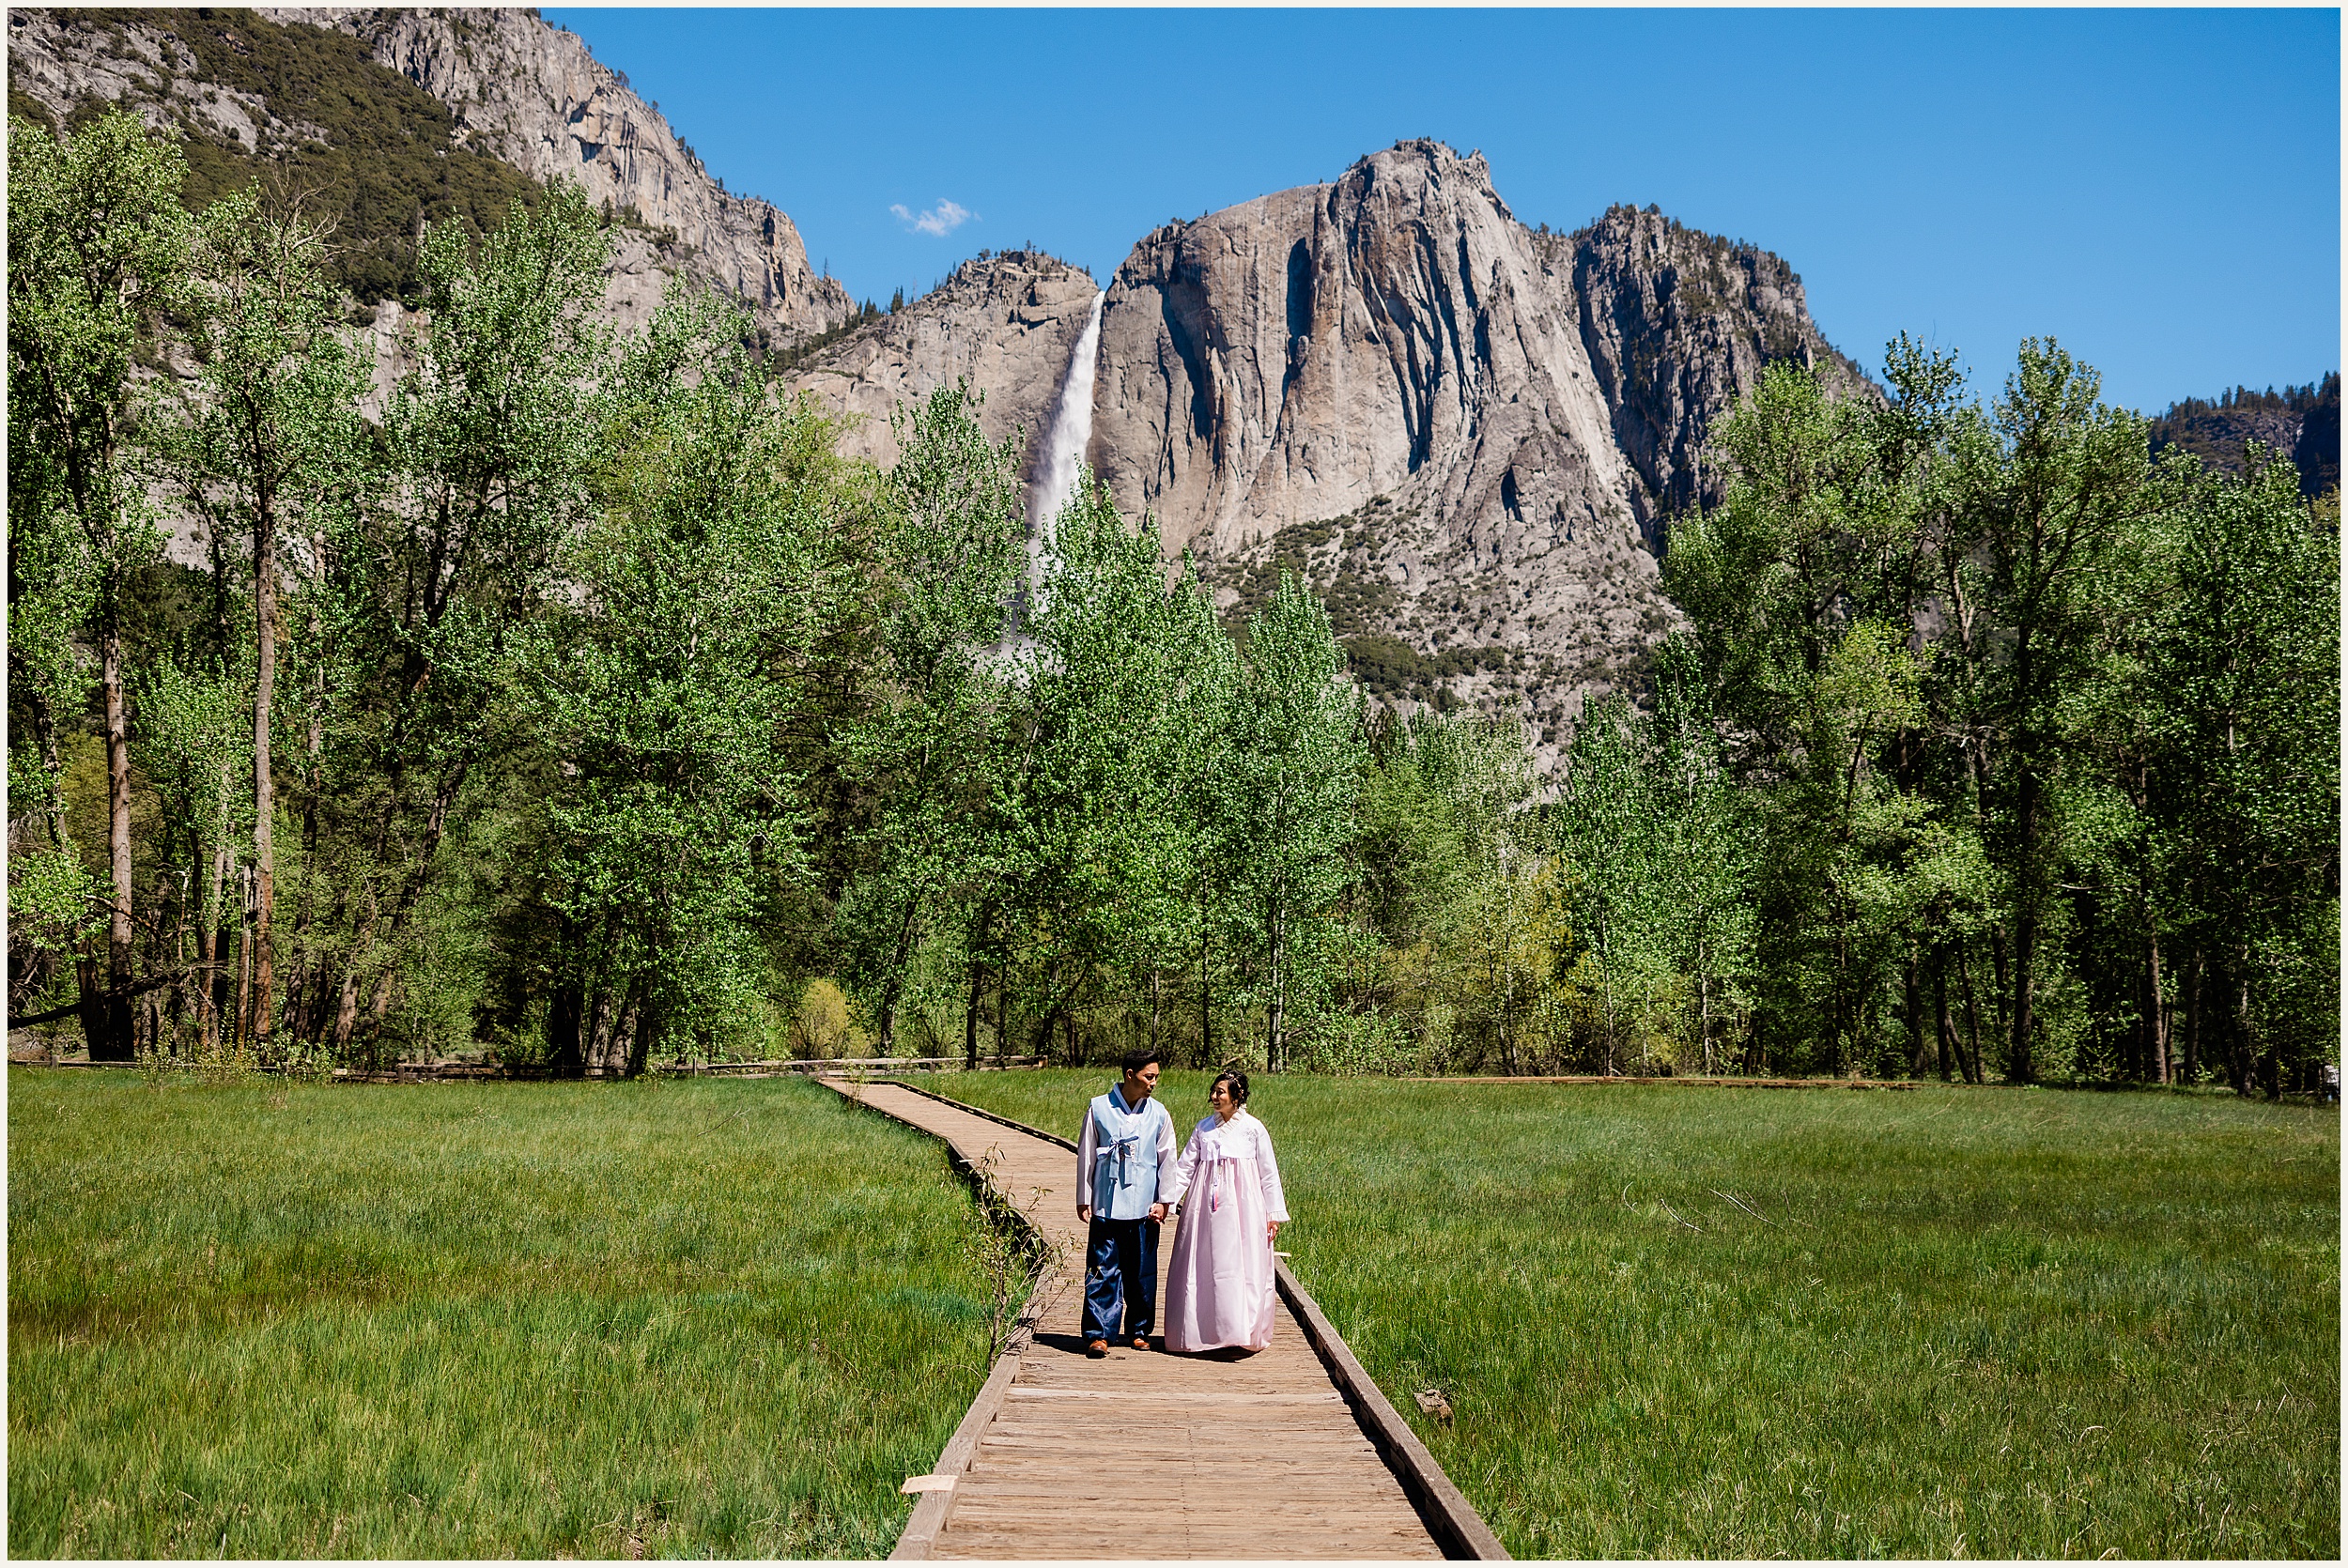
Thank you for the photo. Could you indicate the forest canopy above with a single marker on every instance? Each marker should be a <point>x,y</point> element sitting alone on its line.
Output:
<point>569,698</point>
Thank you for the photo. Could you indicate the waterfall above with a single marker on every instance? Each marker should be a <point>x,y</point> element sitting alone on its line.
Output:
<point>1064,440</point>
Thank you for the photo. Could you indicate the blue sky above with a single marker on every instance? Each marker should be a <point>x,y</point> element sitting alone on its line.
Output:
<point>2160,189</point>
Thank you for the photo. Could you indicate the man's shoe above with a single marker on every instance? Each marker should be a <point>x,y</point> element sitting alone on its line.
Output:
<point>1141,1342</point>
<point>1097,1349</point>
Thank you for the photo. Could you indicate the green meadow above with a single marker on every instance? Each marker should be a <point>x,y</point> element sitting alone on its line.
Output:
<point>474,1320</point>
<point>1711,1322</point>
<point>726,1319</point>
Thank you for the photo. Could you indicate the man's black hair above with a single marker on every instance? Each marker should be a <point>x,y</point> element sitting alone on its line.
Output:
<point>1134,1061</point>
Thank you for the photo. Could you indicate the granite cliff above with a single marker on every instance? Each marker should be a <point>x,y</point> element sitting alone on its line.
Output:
<point>1466,432</point>
<point>519,92</point>
<point>2300,422</point>
<point>1469,435</point>
<point>1006,323</point>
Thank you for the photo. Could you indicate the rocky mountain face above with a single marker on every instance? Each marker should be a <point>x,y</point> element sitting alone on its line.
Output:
<point>2302,422</point>
<point>531,95</point>
<point>1006,323</point>
<point>1466,432</point>
<point>521,92</point>
<point>1679,325</point>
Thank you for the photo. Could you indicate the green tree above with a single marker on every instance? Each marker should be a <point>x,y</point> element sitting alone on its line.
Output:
<point>2245,693</point>
<point>268,449</point>
<point>2052,488</point>
<point>1283,808</point>
<point>1709,851</point>
<point>194,747</point>
<point>491,445</point>
<point>97,245</point>
<point>1453,886</point>
<point>951,549</point>
<point>1118,696</point>
<point>1802,586</point>
<point>1608,833</point>
<point>668,687</point>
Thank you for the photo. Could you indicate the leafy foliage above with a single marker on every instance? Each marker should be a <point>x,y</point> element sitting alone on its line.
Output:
<point>621,719</point>
<point>378,156</point>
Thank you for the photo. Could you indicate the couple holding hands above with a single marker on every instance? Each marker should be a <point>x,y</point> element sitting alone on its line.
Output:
<point>1219,1283</point>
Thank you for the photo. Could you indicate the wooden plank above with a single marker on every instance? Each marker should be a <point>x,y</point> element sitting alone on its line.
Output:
<point>1437,1498</point>
<point>1143,1454</point>
<point>929,1514</point>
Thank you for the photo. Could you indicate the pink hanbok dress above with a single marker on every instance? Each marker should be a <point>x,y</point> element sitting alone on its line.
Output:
<point>1219,1291</point>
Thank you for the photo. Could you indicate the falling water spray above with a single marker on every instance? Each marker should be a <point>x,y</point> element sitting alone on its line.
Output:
<point>1064,442</point>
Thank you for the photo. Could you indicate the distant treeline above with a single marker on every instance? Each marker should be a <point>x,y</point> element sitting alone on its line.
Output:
<point>579,701</point>
<point>2301,423</point>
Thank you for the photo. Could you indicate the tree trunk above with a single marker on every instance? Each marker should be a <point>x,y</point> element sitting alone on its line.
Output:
<point>1507,1002</point>
<point>2019,1066</point>
<point>1042,1045</point>
<point>1704,1015</point>
<point>301,979</point>
<point>1606,980</point>
<point>2193,1017</point>
<point>2000,992</point>
<point>347,1003</point>
<point>638,1025</point>
<point>2242,1058</point>
<point>216,909</point>
<point>381,1007</point>
<point>264,784</point>
<point>1943,1029</point>
<point>45,733</point>
<point>113,1042</point>
<point>1972,1017</point>
<point>2156,1014</point>
<point>245,958</point>
<point>1842,989</point>
<point>1272,1015</point>
<point>600,1032</point>
<point>191,893</point>
<point>207,930</point>
<point>970,1023</point>
<point>1002,1015</point>
<point>893,979</point>
<point>1914,998</point>
<point>411,888</point>
<point>563,1030</point>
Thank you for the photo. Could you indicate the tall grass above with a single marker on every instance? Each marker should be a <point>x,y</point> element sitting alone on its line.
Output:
<point>475,1320</point>
<point>1697,1322</point>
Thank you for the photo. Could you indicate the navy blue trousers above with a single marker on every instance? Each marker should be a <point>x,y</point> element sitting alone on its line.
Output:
<point>1120,1279</point>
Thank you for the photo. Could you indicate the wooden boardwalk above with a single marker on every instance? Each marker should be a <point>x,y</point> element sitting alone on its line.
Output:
<point>1290,1452</point>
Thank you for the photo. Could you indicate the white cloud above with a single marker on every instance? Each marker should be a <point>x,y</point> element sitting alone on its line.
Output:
<point>941,221</point>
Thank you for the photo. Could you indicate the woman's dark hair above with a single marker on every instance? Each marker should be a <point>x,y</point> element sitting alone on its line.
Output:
<point>1238,1081</point>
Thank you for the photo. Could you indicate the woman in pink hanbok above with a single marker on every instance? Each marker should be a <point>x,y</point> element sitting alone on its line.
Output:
<point>1219,1284</point>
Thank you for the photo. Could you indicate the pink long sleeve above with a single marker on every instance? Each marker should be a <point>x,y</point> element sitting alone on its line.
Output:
<point>1184,1168</point>
<point>1274,1205</point>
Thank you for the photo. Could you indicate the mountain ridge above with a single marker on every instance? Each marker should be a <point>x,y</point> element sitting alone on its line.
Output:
<point>1468,433</point>
<point>518,90</point>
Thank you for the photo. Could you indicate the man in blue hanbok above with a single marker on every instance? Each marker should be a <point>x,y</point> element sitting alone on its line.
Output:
<point>1124,1162</point>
